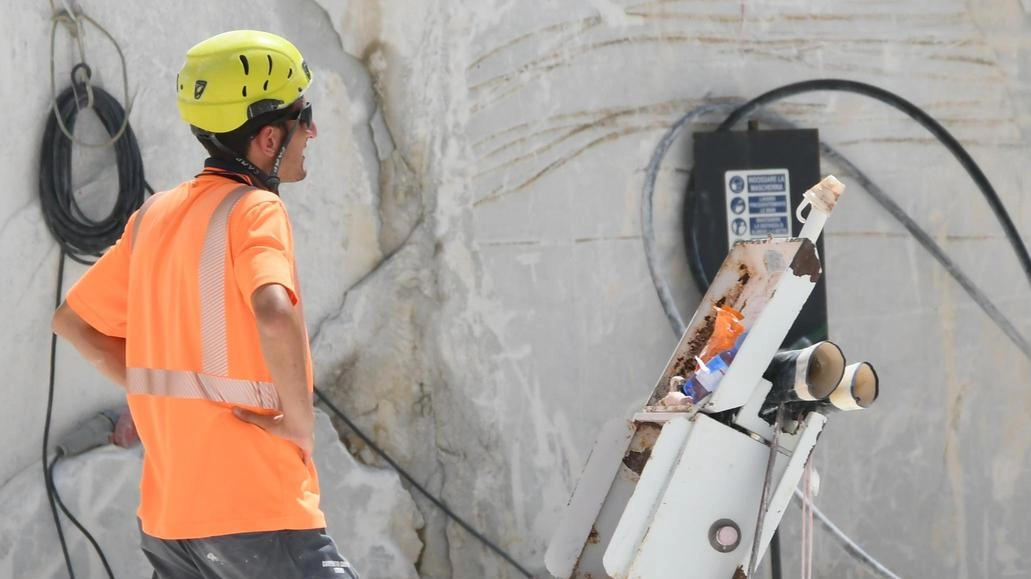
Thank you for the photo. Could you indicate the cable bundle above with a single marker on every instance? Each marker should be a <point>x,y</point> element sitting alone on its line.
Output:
<point>81,238</point>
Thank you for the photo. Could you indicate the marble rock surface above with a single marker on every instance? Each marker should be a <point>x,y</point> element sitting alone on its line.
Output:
<point>470,247</point>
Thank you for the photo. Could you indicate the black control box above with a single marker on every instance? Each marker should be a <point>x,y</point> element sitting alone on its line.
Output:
<point>747,185</point>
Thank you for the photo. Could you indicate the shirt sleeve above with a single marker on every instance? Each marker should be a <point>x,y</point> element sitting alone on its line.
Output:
<point>101,296</point>
<point>262,248</point>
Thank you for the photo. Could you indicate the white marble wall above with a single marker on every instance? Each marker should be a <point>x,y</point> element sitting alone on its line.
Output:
<point>470,242</point>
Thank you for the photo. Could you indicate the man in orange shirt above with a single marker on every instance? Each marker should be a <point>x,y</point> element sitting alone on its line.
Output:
<point>196,312</point>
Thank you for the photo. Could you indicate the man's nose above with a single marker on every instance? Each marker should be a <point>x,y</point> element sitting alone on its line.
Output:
<point>312,130</point>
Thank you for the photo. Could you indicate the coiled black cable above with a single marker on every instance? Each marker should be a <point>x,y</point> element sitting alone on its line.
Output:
<point>81,238</point>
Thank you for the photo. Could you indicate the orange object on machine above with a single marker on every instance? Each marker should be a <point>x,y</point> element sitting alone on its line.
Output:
<point>726,330</point>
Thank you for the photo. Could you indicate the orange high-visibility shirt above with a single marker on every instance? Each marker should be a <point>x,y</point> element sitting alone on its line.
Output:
<point>177,287</point>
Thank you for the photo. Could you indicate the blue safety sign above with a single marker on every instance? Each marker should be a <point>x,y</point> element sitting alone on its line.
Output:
<point>767,204</point>
<point>758,204</point>
<point>768,183</point>
<point>763,226</point>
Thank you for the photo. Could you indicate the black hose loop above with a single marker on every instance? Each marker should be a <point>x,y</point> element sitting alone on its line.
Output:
<point>84,239</point>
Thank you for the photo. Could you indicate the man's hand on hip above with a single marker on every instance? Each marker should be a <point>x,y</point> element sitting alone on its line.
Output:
<point>302,435</point>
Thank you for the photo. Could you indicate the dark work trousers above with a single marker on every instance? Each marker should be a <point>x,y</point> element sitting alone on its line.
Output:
<point>310,554</point>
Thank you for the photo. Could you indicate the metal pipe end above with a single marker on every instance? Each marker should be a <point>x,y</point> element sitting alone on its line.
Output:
<point>858,389</point>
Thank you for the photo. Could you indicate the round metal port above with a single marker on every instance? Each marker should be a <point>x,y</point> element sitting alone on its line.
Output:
<point>724,535</point>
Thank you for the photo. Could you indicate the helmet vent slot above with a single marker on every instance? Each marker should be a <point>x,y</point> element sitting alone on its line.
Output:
<point>269,57</point>
<point>245,91</point>
<point>246,65</point>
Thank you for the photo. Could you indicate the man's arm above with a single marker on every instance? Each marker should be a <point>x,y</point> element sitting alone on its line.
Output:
<point>283,343</point>
<point>106,353</point>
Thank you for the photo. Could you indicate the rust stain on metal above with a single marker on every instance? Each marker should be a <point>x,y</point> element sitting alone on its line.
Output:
<point>593,538</point>
<point>739,573</point>
<point>745,274</point>
<point>635,460</point>
<point>698,341</point>
<point>647,434</point>
<point>684,363</point>
<point>733,295</point>
<point>641,446</point>
<point>806,262</point>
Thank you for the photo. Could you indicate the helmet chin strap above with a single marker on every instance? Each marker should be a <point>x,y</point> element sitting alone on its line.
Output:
<point>270,180</point>
<point>274,176</point>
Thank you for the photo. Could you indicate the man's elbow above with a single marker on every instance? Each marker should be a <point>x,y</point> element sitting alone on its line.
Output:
<point>64,320</point>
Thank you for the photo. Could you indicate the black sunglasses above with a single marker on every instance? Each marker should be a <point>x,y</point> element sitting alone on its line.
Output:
<point>303,115</point>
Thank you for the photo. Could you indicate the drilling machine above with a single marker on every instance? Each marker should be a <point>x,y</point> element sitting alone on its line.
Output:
<point>695,484</point>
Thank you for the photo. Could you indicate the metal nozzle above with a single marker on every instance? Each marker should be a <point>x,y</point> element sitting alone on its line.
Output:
<point>809,374</point>
<point>858,389</point>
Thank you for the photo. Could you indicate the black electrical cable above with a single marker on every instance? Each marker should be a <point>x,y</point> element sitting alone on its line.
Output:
<point>46,431</point>
<point>83,239</point>
<point>917,114</point>
<point>903,105</point>
<point>53,498</point>
<point>922,237</point>
<point>71,517</point>
<point>404,474</point>
<point>79,237</point>
<point>371,444</point>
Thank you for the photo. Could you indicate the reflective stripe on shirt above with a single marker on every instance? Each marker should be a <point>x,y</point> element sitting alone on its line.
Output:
<point>212,279</point>
<point>186,384</point>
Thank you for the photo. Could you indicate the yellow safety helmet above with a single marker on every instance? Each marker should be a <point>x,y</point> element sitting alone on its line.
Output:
<point>238,75</point>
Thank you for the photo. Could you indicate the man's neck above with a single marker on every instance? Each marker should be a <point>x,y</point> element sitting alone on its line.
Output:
<point>234,170</point>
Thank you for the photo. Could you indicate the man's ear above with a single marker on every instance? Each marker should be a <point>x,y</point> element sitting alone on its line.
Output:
<point>266,142</point>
